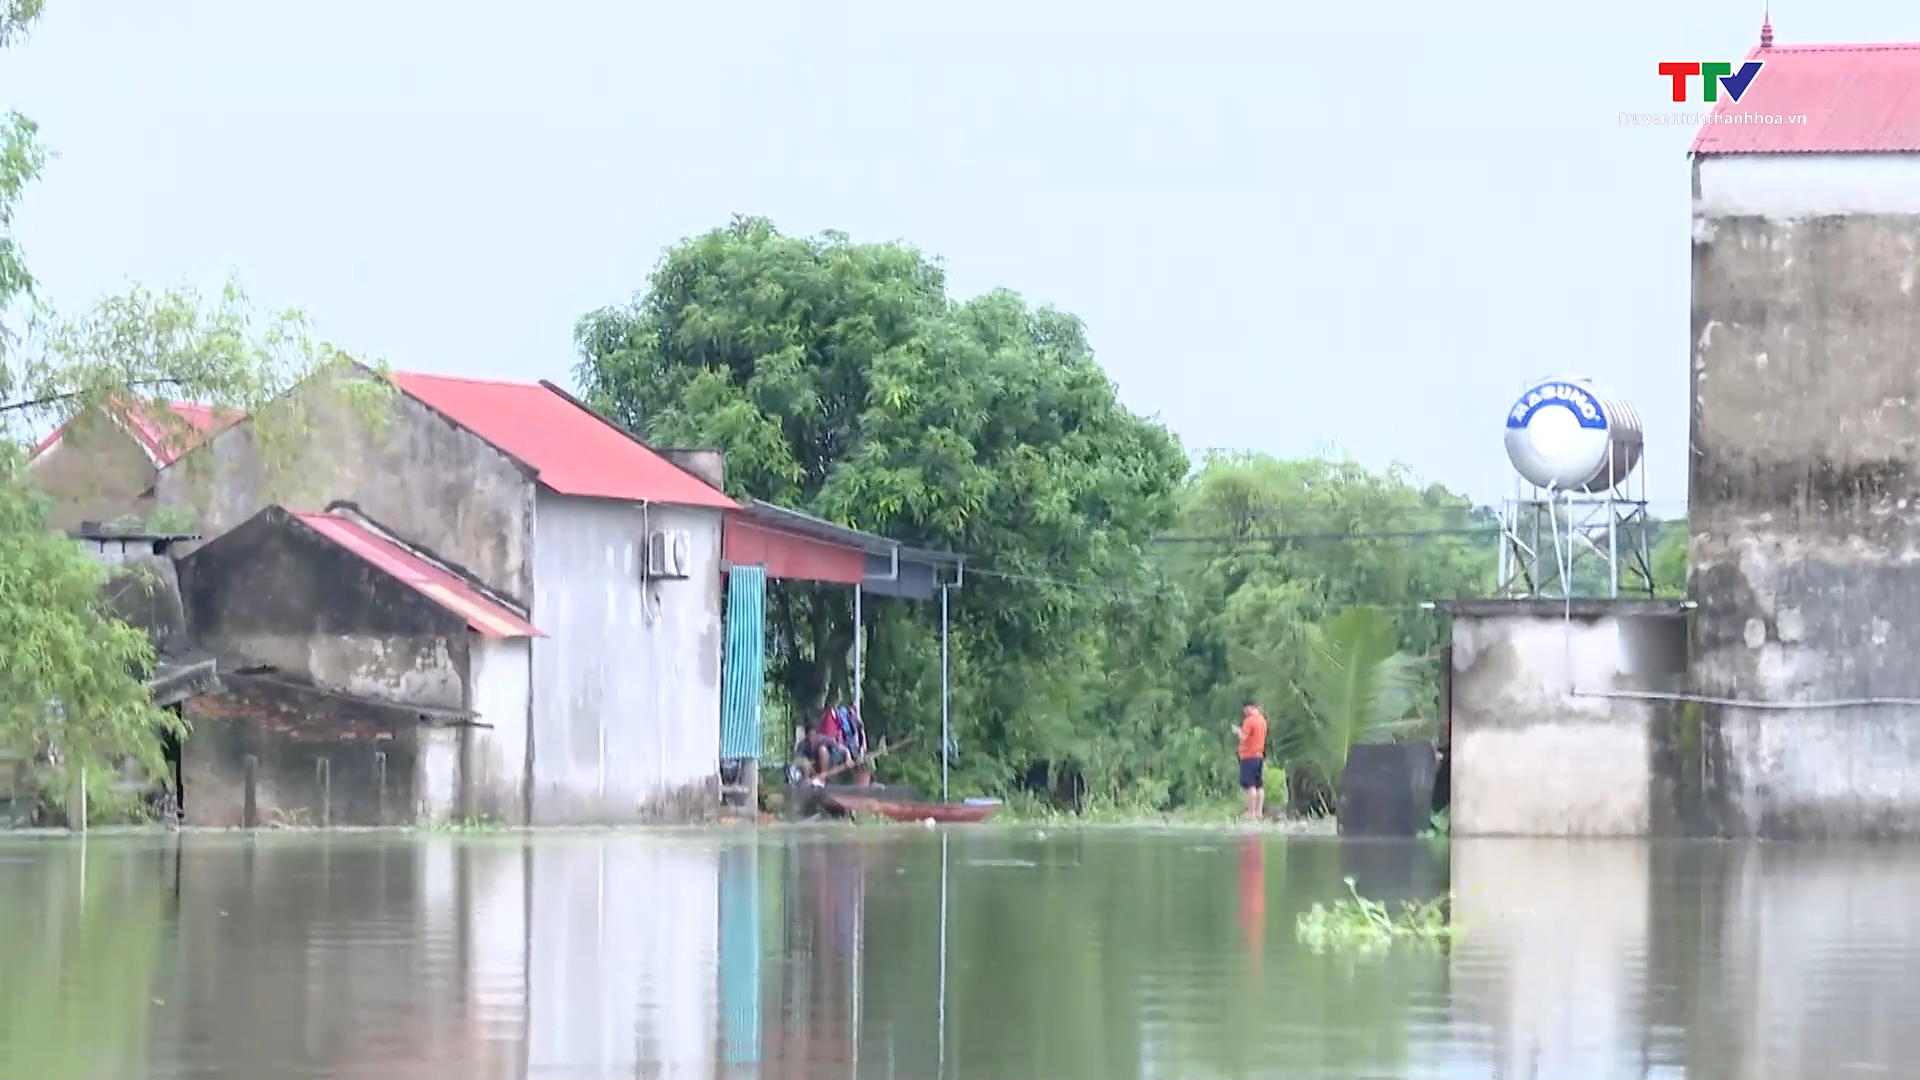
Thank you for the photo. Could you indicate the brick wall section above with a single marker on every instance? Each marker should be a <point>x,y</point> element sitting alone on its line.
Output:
<point>289,731</point>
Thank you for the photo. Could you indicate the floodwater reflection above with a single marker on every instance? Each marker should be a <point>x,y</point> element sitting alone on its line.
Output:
<point>922,954</point>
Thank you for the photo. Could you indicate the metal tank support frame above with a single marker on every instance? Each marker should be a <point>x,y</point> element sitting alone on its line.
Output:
<point>1548,537</point>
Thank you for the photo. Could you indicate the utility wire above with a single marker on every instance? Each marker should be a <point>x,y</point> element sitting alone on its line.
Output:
<point>1232,542</point>
<point>1256,540</point>
<point>1145,591</point>
<point>1363,513</point>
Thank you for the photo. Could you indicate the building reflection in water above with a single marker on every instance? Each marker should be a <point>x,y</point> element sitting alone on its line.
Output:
<point>623,957</point>
<point>1555,944</point>
<point>488,961</point>
<point>740,905</point>
<point>1750,961</point>
<point>820,938</point>
<point>702,955</point>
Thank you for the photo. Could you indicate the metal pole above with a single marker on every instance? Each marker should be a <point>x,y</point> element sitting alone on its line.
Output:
<point>1613,527</point>
<point>859,961</point>
<point>946,738</point>
<point>1503,583</point>
<point>857,635</point>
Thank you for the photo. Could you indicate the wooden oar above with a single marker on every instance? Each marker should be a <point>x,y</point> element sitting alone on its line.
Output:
<point>884,750</point>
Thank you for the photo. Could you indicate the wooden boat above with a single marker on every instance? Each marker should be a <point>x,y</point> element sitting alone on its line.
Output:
<point>908,810</point>
<point>806,800</point>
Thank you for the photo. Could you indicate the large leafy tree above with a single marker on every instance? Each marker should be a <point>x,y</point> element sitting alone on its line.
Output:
<point>71,689</point>
<point>841,379</point>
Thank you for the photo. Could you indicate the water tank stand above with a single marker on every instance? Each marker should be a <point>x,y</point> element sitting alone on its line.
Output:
<point>1560,544</point>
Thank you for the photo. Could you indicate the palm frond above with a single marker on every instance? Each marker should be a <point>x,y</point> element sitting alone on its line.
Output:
<point>1358,686</point>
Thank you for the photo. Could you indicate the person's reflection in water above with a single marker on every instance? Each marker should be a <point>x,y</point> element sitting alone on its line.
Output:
<point>1253,896</point>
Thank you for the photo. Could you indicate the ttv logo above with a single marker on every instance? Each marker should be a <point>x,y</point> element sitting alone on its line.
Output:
<point>1713,77</point>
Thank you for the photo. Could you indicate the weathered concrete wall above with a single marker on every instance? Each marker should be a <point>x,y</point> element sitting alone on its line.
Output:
<point>496,754</point>
<point>1805,497</point>
<point>143,586</point>
<point>95,472</point>
<point>271,592</point>
<point>427,479</point>
<point>626,684</point>
<point>704,462</point>
<point>439,779</point>
<point>1537,750</point>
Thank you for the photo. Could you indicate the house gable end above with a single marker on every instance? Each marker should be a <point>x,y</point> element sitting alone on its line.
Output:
<point>275,576</point>
<point>419,473</point>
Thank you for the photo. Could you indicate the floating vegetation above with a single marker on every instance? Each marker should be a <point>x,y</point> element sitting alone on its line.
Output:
<point>1357,924</point>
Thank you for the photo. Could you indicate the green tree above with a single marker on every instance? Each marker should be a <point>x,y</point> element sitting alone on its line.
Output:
<point>1119,602</point>
<point>1670,558</point>
<point>1268,548</point>
<point>71,674</point>
<point>841,379</point>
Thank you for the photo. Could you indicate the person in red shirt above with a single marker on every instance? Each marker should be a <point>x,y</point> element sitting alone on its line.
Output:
<point>1252,733</point>
<point>826,747</point>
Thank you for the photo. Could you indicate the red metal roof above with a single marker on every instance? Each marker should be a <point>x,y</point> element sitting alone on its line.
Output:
<point>790,556</point>
<point>573,451</point>
<point>1858,99</point>
<point>482,612</point>
<point>165,442</point>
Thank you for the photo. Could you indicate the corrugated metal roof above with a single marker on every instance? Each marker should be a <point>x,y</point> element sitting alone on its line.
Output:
<point>1858,99</point>
<point>574,451</point>
<point>482,612</point>
<point>164,442</point>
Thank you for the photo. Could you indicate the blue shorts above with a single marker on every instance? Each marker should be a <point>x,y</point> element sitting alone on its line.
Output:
<point>1252,773</point>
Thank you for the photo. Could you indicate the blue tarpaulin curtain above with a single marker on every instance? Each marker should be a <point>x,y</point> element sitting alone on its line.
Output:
<point>746,663</point>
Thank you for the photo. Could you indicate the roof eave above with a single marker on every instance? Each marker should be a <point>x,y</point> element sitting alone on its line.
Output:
<point>803,524</point>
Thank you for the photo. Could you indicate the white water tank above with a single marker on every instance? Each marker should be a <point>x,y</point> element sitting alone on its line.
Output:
<point>1571,435</point>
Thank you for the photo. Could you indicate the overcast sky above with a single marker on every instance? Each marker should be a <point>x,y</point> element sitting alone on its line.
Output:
<point>1360,230</point>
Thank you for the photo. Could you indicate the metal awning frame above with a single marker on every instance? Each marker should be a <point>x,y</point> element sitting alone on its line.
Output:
<point>939,572</point>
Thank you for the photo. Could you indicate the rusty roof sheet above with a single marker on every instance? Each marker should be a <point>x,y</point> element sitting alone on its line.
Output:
<point>164,441</point>
<point>482,612</point>
<point>1858,99</point>
<point>573,450</point>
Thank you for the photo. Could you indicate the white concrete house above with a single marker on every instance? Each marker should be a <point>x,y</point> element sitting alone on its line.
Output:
<point>612,549</point>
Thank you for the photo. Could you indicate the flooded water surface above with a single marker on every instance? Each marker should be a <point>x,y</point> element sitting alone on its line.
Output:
<point>997,954</point>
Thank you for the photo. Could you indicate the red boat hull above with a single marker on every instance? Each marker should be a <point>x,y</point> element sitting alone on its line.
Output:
<point>943,813</point>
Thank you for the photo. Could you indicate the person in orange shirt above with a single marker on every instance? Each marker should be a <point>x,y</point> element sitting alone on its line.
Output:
<point>1252,733</point>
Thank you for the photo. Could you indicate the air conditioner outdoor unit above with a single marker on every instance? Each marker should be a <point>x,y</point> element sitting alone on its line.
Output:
<point>669,554</point>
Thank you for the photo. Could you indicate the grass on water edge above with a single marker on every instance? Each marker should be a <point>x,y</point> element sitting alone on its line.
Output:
<point>1355,924</point>
<point>1028,809</point>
